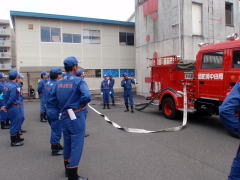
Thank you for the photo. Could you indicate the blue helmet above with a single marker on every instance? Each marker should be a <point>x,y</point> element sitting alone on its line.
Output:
<point>56,70</point>
<point>43,73</point>
<point>70,61</point>
<point>13,74</point>
<point>125,74</point>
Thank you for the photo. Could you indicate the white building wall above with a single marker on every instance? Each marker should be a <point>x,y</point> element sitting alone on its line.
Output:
<point>31,52</point>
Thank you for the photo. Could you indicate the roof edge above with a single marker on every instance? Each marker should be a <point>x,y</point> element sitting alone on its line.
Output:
<point>67,17</point>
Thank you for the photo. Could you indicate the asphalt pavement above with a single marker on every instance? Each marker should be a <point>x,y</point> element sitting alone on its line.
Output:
<point>202,151</point>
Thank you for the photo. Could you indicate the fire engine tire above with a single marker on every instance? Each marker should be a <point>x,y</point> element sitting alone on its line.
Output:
<point>169,108</point>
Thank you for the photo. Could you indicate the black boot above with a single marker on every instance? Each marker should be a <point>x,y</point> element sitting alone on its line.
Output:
<point>15,141</point>
<point>86,134</point>
<point>132,111</point>
<point>45,116</point>
<point>7,124</point>
<point>42,117</point>
<point>56,151</point>
<point>73,175</point>
<point>108,106</point>
<point>23,131</point>
<point>65,165</point>
<point>104,106</point>
<point>60,147</point>
<point>127,108</point>
<point>113,102</point>
<point>19,138</point>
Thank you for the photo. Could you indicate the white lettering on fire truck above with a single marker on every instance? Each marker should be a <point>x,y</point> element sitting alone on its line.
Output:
<point>188,75</point>
<point>210,76</point>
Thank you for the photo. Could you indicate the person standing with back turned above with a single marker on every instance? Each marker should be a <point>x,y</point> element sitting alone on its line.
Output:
<point>70,96</point>
<point>53,113</point>
<point>12,105</point>
<point>41,85</point>
<point>229,113</point>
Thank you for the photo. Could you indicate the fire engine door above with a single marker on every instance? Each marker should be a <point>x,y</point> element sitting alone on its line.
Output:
<point>232,74</point>
<point>210,75</point>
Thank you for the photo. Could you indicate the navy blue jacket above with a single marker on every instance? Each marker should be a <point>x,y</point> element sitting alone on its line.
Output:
<point>71,89</point>
<point>230,109</point>
<point>12,93</point>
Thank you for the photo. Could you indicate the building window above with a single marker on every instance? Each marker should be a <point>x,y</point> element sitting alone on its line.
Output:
<point>50,34</point>
<point>76,38</point>
<point>126,38</point>
<point>111,72</point>
<point>229,13</point>
<point>91,36</point>
<point>92,73</point>
<point>67,38</point>
<point>130,72</point>
<point>196,19</point>
<point>213,60</point>
<point>3,49</point>
<point>236,59</point>
<point>71,38</point>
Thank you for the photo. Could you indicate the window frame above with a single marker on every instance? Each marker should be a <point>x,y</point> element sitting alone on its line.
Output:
<point>93,73</point>
<point>51,34</point>
<point>72,38</point>
<point>232,64</point>
<point>122,71</point>
<point>209,53</point>
<point>232,14</point>
<point>126,42</point>
<point>114,72</point>
<point>64,37</point>
<point>89,37</point>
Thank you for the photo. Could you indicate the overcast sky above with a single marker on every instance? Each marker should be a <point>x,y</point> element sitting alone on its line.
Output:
<point>106,9</point>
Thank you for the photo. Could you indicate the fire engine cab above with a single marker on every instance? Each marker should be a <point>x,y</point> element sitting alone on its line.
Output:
<point>208,80</point>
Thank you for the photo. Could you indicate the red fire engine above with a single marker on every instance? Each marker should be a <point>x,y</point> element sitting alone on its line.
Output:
<point>209,79</point>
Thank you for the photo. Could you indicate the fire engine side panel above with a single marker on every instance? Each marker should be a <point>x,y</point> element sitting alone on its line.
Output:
<point>168,77</point>
<point>232,71</point>
<point>210,81</point>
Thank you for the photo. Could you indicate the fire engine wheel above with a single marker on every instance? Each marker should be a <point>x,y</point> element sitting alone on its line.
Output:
<point>169,108</point>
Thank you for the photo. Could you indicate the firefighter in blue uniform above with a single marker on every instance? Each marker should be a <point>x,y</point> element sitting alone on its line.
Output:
<point>70,96</point>
<point>229,113</point>
<point>3,117</point>
<point>53,113</point>
<point>112,82</point>
<point>41,85</point>
<point>12,105</point>
<point>20,85</point>
<point>126,83</point>
<point>80,74</point>
<point>105,91</point>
